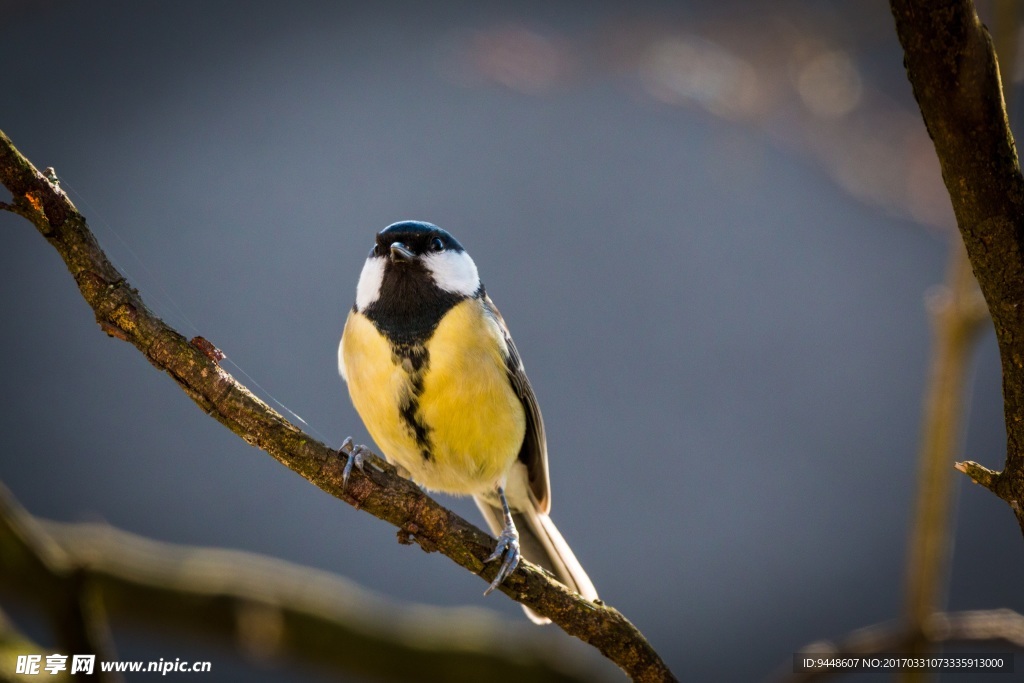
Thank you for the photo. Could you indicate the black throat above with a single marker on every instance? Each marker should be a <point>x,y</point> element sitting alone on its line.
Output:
<point>410,305</point>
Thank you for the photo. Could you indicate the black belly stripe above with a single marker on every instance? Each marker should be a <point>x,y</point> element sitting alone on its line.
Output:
<point>414,358</point>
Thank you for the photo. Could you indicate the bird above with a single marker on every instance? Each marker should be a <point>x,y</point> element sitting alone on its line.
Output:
<point>435,376</point>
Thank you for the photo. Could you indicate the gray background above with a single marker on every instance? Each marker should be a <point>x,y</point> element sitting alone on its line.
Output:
<point>725,329</point>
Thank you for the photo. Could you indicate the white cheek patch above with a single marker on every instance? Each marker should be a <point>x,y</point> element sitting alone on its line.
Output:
<point>368,289</point>
<point>453,271</point>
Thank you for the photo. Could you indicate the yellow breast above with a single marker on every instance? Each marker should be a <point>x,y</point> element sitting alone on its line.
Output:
<point>470,419</point>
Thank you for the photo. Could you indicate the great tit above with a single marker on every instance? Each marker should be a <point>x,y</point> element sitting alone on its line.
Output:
<point>435,377</point>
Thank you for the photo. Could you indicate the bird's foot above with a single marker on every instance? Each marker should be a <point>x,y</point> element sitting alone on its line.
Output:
<point>507,548</point>
<point>356,454</point>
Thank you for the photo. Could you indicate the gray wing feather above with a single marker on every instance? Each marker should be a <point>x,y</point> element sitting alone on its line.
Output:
<point>534,451</point>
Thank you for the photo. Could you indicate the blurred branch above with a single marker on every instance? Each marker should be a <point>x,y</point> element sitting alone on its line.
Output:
<point>1001,627</point>
<point>378,490</point>
<point>268,608</point>
<point>952,67</point>
<point>80,623</point>
<point>67,595</point>
<point>958,315</point>
<point>13,644</point>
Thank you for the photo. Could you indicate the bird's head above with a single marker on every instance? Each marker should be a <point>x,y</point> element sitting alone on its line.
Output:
<point>410,258</point>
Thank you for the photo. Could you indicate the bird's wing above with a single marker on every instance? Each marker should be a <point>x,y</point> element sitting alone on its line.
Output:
<point>534,451</point>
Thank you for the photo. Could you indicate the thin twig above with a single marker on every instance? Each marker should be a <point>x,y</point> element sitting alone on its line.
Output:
<point>979,474</point>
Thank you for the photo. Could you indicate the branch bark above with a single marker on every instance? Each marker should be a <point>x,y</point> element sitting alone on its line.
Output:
<point>378,490</point>
<point>952,67</point>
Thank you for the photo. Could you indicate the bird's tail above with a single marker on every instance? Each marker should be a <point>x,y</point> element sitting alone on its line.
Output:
<point>542,544</point>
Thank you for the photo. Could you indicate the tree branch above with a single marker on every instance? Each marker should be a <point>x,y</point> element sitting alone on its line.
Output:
<point>952,67</point>
<point>67,595</point>
<point>378,490</point>
<point>269,608</point>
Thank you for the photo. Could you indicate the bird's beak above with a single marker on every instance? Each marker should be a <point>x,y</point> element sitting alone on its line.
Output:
<point>400,252</point>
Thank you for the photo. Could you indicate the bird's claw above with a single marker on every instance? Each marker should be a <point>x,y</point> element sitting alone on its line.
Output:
<point>356,455</point>
<point>507,547</point>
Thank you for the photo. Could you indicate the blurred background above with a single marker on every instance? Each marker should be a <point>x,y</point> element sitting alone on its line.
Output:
<point>711,227</point>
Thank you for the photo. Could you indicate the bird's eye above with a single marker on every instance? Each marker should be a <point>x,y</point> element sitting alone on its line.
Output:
<point>436,244</point>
